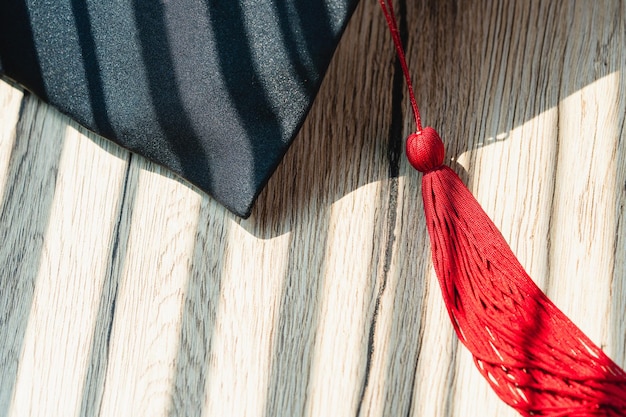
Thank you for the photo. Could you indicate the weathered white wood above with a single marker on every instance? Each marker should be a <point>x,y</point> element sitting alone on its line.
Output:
<point>58,341</point>
<point>125,291</point>
<point>25,208</point>
<point>153,272</point>
<point>242,333</point>
<point>585,207</point>
<point>9,112</point>
<point>52,263</point>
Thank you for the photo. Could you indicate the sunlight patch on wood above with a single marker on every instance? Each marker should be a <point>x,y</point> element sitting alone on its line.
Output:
<point>584,219</point>
<point>146,329</point>
<point>246,324</point>
<point>345,306</point>
<point>58,339</point>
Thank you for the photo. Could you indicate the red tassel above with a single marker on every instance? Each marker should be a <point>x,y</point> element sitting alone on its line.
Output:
<point>533,356</point>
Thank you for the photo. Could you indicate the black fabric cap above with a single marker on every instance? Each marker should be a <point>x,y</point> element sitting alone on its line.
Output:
<point>214,90</point>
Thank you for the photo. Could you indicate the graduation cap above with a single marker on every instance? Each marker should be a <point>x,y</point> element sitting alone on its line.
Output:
<point>214,90</point>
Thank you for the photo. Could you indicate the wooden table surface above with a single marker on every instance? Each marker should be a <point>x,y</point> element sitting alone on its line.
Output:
<point>124,291</point>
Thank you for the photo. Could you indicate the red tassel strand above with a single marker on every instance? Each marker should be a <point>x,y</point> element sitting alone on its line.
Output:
<point>531,354</point>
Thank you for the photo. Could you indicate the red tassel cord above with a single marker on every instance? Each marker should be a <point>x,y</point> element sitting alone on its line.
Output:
<point>532,355</point>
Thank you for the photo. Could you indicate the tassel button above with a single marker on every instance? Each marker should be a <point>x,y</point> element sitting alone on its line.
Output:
<point>425,150</point>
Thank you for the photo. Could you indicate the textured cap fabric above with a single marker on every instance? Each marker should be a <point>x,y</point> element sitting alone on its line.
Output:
<point>214,90</point>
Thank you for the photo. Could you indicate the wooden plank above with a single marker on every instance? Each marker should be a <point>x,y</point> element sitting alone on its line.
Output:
<point>9,112</point>
<point>153,271</point>
<point>125,291</point>
<point>26,203</point>
<point>53,264</point>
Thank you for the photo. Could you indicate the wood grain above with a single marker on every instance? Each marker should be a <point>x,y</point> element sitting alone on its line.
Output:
<point>126,291</point>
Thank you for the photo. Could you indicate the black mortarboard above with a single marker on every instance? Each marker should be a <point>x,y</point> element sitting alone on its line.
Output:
<point>214,90</point>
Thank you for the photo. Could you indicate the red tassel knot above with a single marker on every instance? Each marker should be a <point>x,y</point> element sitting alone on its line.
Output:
<point>425,150</point>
